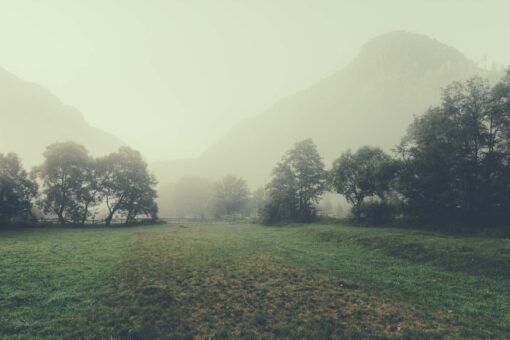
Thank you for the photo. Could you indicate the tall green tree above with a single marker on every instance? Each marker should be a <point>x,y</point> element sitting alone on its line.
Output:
<point>281,204</point>
<point>297,183</point>
<point>127,186</point>
<point>63,173</point>
<point>90,193</point>
<point>17,190</point>
<point>308,168</point>
<point>360,175</point>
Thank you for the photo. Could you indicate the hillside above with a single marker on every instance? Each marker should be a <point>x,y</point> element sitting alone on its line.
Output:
<point>372,101</point>
<point>31,118</point>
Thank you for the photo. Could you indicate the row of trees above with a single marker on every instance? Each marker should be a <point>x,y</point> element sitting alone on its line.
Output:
<point>75,187</point>
<point>453,166</point>
<point>454,163</point>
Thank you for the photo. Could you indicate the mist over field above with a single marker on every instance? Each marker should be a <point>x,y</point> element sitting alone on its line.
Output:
<point>254,169</point>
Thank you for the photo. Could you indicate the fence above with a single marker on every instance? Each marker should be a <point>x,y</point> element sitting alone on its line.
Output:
<point>92,222</point>
<point>142,221</point>
<point>188,221</point>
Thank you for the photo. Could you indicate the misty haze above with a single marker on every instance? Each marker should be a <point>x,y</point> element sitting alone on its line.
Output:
<point>254,169</point>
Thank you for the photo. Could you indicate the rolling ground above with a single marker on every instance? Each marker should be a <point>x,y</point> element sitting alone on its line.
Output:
<point>306,281</point>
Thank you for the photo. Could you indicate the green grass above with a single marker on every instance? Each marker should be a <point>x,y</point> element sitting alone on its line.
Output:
<point>303,281</point>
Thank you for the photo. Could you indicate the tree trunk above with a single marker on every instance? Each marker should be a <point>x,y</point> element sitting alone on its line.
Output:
<point>357,209</point>
<point>60,215</point>
<point>129,218</point>
<point>84,217</point>
<point>108,219</point>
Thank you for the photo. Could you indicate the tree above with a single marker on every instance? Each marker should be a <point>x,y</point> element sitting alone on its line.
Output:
<point>90,193</point>
<point>16,189</point>
<point>456,157</point>
<point>357,176</point>
<point>231,195</point>
<point>127,186</point>
<point>188,197</point>
<point>63,173</point>
<point>297,183</point>
<point>257,201</point>
<point>282,201</point>
<point>306,164</point>
<point>140,202</point>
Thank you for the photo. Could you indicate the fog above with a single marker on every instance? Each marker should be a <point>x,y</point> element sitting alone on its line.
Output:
<point>171,78</point>
<point>319,169</point>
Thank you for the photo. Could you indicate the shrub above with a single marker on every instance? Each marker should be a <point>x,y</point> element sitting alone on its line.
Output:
<point>378,212</point>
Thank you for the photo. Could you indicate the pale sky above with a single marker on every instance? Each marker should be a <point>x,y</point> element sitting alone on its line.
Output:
<point>170,77</point>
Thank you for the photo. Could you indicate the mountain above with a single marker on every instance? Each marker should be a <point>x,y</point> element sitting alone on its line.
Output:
<point>395,77</point>
<point>32,118</point>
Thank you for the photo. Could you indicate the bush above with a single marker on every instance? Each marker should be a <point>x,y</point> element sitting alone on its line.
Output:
<point>377,212</point>
<point>270,214</point>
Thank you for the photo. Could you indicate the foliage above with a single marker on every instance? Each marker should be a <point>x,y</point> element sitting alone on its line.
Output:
<point>378,212</point>
<point>74,183</point>
<point>16,190</point>
<point>298,182</point>
<point>62,173</point>
<point>127,186</point>
<point>366,173</point>
<point>231,195</point>
<point>308,169</point>
<point>456,157</point>
<point>91,191</point>
<point>282,200</point>
<point>258,201</point>
<point>453,165</point>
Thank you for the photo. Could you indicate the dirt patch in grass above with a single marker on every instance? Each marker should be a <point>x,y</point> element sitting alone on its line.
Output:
<point>174,285</point>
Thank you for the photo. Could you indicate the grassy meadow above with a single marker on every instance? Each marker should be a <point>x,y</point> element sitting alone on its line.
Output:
<point>246,281</point>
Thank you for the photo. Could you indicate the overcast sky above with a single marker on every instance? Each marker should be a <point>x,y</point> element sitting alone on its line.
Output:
<point>170,77</point>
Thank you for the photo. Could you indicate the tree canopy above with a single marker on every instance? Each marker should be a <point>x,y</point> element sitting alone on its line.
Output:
<point>297,183</point>
<point>62,174</point>
<point>231,195</point>
<point>456,159</point>
<point>16,190</point>
<point>127,186</point>
<point>74,183</point>
<point>360,175</point>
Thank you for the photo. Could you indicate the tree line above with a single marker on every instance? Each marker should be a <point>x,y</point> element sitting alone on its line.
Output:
<point>74,187</point>
<point>452,166</point>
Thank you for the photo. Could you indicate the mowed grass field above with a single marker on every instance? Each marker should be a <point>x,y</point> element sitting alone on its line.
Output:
<point>249,281</point>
